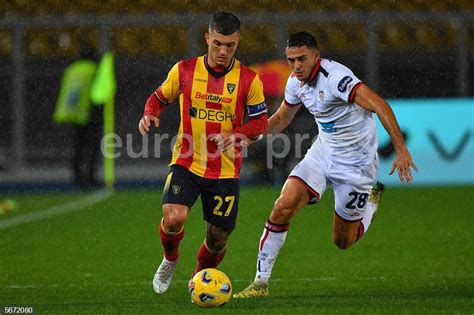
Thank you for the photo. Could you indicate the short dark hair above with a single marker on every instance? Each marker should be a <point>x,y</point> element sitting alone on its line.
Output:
<point>225,23</point>
<point>302,39</point>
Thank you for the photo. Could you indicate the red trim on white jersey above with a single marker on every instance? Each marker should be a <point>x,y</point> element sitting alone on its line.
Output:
<point>311,190</point>
<point>285,102</point>
<point>353,92</point>
<point>315,71</point>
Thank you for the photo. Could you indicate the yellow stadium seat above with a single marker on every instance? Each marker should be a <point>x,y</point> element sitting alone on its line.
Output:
<point>159,40</point>
<point>6,43</point>
<point>395,36</point>
<point>125,41</point>
<point>256,40</point>
<point>165,40</point>
<point>434,35</point>
<point>344,37</point>
<point>38,43</point>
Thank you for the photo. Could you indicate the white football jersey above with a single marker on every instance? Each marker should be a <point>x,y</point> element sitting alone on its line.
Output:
<point>347,132</point>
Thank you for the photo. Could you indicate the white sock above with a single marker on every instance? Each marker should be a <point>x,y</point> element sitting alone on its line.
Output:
<point>369,213</point>
<point>272,240</point>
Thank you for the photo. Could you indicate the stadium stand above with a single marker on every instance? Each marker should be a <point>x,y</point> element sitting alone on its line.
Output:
<point>162,40</point>
<point>54,7</point>
<point>144,52</point>
<point>5,43</point>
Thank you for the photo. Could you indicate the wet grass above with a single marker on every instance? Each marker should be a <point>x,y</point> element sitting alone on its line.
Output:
<point>416,258</point>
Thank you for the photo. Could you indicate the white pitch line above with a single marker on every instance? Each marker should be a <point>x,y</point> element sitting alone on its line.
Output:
<point>148,283</point>
<point>71,206</point>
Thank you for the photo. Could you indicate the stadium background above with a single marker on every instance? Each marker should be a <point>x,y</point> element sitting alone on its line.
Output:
<point>403,49</point>
<point>94,252</point>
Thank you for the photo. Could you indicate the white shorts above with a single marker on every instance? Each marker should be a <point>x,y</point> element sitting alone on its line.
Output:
<point>351,184</point>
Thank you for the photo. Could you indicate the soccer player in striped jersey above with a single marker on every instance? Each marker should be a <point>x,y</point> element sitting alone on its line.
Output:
<point>215,94</point>
<point>343,156</point>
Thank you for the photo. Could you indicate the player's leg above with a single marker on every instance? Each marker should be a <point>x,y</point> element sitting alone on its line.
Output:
<point>220,201</point>
<point>345,232</point>
<point>179,195</point>
<point>171,229</point>
<point>171,232</point>
<point>295,194</point>
<point>357,201</point>
<point>212,250</point>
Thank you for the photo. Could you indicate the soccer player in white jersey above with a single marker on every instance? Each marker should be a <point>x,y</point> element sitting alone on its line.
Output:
<point>344,155</point>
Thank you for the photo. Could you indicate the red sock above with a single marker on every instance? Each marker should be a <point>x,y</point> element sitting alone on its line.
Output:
<point>171,243</point>
<point>207,259</point>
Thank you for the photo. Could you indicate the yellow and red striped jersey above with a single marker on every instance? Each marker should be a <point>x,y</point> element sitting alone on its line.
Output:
<point>210,102</point>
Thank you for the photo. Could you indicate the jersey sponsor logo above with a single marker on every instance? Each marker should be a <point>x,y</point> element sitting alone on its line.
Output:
<point>209,114</point>
<point>342,85</point>
<point>321,96</point>
<point>230,87</point>
<point>200,80</point>
<point>328,127</point>
<point>213,98</point>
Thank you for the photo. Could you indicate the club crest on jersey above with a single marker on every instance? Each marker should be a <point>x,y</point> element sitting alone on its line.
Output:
<point>175,189</point>
<point>302,96</point>
<point>342,86</point>
<point>230,87</point>
<point>321,96</point>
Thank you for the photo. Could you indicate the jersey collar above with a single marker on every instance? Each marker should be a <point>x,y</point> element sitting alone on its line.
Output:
<point>314,73</point>
<point>218,74</point>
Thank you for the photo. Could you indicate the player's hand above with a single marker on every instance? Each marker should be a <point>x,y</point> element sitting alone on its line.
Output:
<point>403,163</point>
<point>145,122</point>
<point>248,141</point>
<point>224,140</point>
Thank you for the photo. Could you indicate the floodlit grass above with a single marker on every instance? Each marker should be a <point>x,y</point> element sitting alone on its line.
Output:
<point>416,258</point>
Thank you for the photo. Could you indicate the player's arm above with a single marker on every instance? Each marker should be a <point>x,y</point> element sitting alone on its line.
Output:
<point>282,118</point>
<point>287,110</point>
<point>159,100</point>
<point>277,122</point>
<point>368,99</point>
<point>257,123</point>
<point>153,107</point>
<point>255,127</point>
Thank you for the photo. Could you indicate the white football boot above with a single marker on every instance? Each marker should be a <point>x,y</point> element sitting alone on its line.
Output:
<point>163,276</point>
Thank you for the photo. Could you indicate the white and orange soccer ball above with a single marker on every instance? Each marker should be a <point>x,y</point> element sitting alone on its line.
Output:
<point>210,288</point>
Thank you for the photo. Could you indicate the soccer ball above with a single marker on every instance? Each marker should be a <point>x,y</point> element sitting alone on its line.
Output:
<point>210,288</point>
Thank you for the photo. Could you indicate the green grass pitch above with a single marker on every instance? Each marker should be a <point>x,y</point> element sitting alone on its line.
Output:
<point>417,257</point>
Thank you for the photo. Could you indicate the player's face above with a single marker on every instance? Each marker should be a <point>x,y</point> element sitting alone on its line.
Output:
<point>302,61</point>
<point>221,48</point>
